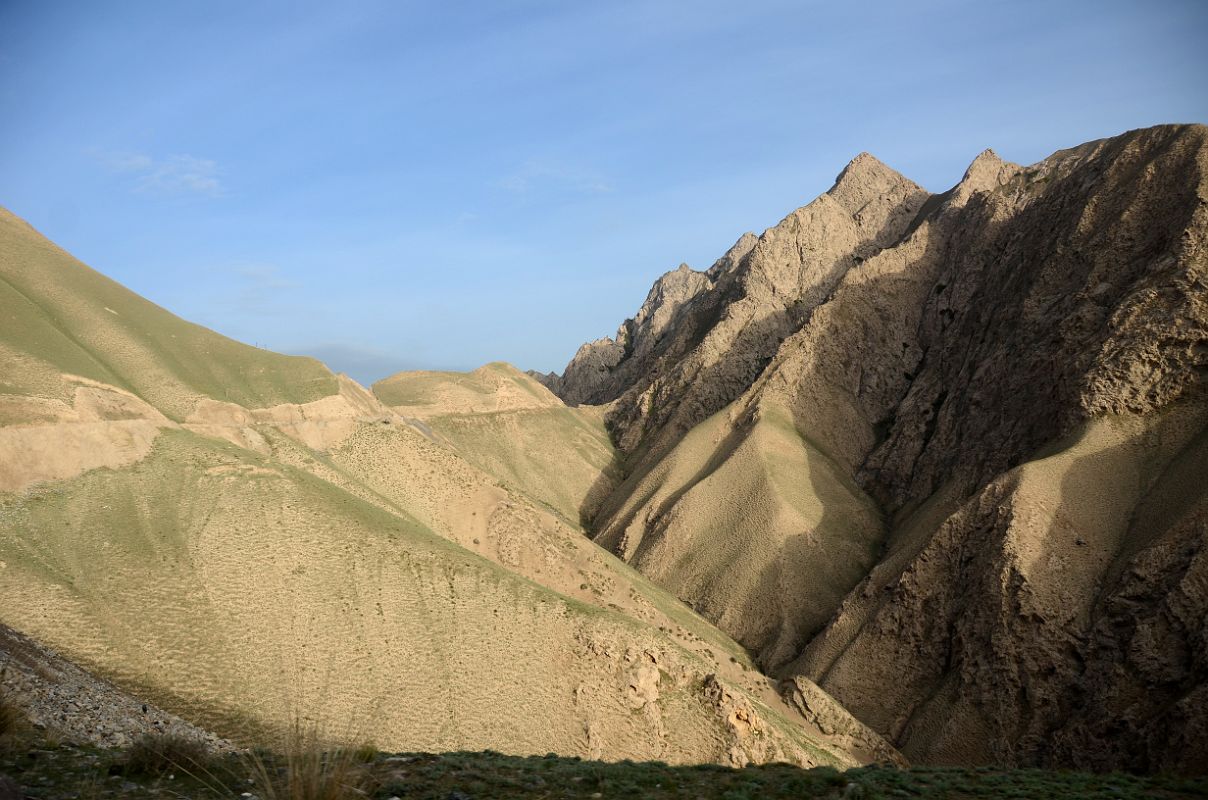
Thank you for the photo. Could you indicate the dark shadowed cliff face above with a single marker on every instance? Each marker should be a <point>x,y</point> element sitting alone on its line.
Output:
<point>1079,293</point>
<point>946,454</point>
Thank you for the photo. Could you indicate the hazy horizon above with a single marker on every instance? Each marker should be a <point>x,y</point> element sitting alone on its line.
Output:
<point>436,186</point>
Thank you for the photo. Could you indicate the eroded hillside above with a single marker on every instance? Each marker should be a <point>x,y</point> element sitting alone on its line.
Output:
<point>945,454</point>
<point>909,469</point>
<point>246,539</point>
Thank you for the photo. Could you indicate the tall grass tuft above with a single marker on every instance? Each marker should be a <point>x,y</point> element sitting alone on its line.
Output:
<point>11,719</point>
<point>308,770</point>
<point>13,723</point>
<point>162,753</point>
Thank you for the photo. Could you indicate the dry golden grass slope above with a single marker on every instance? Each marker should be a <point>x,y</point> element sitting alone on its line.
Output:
<point>244,539</point>
<point>510,425</point>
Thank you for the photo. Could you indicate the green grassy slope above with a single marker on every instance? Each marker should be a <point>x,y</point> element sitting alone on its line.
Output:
<point>68,772</point>
<point>60,316</point>
<point>490,387</point>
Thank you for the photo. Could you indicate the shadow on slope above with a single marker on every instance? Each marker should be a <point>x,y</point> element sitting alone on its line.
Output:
<point>772,572</point>
<point>1054,618</point>
<point>64,770</point>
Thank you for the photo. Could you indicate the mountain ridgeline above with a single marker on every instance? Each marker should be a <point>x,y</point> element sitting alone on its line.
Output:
<point>946,455</point>
<point>908,477</point>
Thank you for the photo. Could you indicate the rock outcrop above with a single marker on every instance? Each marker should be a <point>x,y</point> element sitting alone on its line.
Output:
<point>763,289</point>
<point>937,461</point>
<point>936,452</point>
<point>603,369</point>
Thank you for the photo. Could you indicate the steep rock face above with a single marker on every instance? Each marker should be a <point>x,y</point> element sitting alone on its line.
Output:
<point>737,327</point>
<point>1078,290</point>
<point>731,319</point>
<point>1054,618</point>
<point>963,375</point>
<point>770,559</point>
<point>1062,599</point>
<point>603,369</point>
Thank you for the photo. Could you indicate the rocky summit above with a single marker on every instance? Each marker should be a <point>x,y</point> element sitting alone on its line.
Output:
<point>908,478</point>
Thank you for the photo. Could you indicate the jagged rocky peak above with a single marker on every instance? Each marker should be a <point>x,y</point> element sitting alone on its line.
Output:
<point>589,377</point>
<point>863,173</point>
<point>1095,308</point>
<point>587,373</point>
<point>880,200</point>
<point>986,173</point>
<point>1007,385</point>
<point>696,319</point>
<point>987,163</point>
<point>737,252</point>
<point>669,293</point>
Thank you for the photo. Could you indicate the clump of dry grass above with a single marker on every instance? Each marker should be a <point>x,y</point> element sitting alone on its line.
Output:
<point>162,753</point>
<point>11,718</point>
<point>13,723</point>
<point>308,770</point>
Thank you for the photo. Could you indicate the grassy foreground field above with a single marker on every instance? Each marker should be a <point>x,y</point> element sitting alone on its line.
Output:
<point>63,772</point>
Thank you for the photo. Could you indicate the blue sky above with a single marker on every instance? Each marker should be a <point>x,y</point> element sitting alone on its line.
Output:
<point>392,185</point>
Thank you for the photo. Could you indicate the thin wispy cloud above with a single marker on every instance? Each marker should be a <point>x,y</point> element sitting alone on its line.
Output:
<point>246,291</point>
<point>171,175</point>
<point>259,289</point>
<point>534,175</point>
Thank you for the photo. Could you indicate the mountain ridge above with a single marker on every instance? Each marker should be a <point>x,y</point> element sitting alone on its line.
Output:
<point>906,476</point>
<point>1002,317</point>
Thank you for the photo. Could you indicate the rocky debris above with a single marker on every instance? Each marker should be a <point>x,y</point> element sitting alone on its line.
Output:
<point>822,710</point>
<point>1002,387</point>
<point>752,740</point>
<point>66,701</point>
<point>748,719</point>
